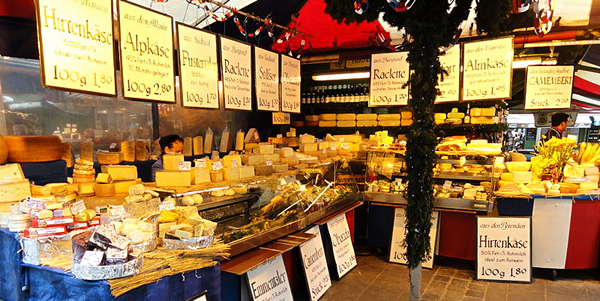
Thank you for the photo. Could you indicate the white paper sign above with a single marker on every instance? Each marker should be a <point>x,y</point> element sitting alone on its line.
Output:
<point>450,85</point>
<point>281,118</point>
<point>397,250</point>
<point>146,53</point>
<point>389,74</point>
<point>236,62</point>
<point>315,265</point>
<point>548,87</point>
<point>198,68</point>
<point>269,281</point>
<point>504,248</point>
<point>343,251</point>
<point>290,84</point>
<point>487,69</point>
<point>266,79</point>
<point>76,45</point>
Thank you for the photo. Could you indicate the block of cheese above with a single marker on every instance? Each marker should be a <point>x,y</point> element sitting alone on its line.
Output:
<point>309,147</point>
<point>307,138</point>
<point>122,187</point>
<point>226,141</point>
<point>482,120</point>
<point>102,189</point>
<point>246,172</point>
<point>198,145</point>
<point>208,141</point>
<point>592,178</point>
<point>291,161</point>
<point>507,176</point>
<point>263,170</point>
<point>347,138</point>
<point>522,176</point>
<point>232,160</point>
<point>591,170</point>
<point>328,117</point>
<point>588,185</point>
<point>311,117</point>
<point>454,114</point>
<point>171,161</point>
<point>331,152</point>
<point>199,175</point>
<point>488,112</point>
<point>239,140</point>
<point>280,167</point>
<point>167,178</point>
<point>120,172</point>
<point>11,173</point>
<point>389,123</point>
<point>14,192</point>
<point>406,122</point>
<point>327,123</point>
<point>285,152</point>
<point>366,123</point>
<point>231,173</point>
<point>252,159</point>
<point>363,117</point>
<point>441,116</point>
<point>188,146</point>
<point>346,123</point>
<point>128,151</point>
<point>406,115</point>
<point>348,116</point>
<point>86,151</point>
<point>272,158</point>
<point>109,157</point>
<point>86,189</point>
<point>142,150</point>
<point>389,117</point>
<point>104,178</point>
<point>266,148</point>
<point>216,175</point>
<point>163,227</point>
<point>574,170</point>
<point>323,145</point>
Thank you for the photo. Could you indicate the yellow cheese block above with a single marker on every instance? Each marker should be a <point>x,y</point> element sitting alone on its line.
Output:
<point>253,159</point>
<point>327,123</point>
<point>280,167</point>
<point>307,138</point>
<point>346,117</point>
<point>11,173</point>
<point>347,138</point>
<point>309,147</point>
<point>406,122</point>
<point>406,115</point>
<point>231,173</point>
<point>389,122</point>
<point>216,175</point>
<point>285,152</point>
<point>366,123</point>
<point>122,187</point>
<point>171,161</point>
<point>522,176</point>
<point>454,114</point>
<point>507,176</point>
<point>188,146</point>
<point>346,123</point>
<point>102,189</point>
<point>588,185</point>
<point>272,158</point>
<point>167,178</point>
<point>109,157</point>
<point>263,170</point>
<point>13,192</point>
<point>482,120</point>
<point>395,117</point>
<point>246,172</point>
<point>291,161</point>
<point>121,172</point>
<point>328,117</point>
<point>86,189</point>
<point>441,116</point>
<point>363,117</point>
<point>488,112</point>
<point>266,148</point>
<point>323,145</point>
<point>232,160</point>
<point>198,145</point>
<point>128,151</point>
<point>199,175</point>
<point>104,178</point>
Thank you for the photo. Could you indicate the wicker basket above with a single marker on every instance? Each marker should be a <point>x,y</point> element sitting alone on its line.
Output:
<point>23,149</point>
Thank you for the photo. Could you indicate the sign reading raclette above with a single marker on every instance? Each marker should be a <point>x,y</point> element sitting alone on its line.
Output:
<point>236,64</point>
<point>389,76</point>
<point>266,71</point>
<point>548,87</point>
<point>146,53</point>
<point>487,69</point>
<point>450,85</point>
<point>198,67</point>
<point>76,45</point>
<point>290,84</point>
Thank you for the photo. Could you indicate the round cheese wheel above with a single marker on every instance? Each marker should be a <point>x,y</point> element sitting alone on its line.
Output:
<point>22,149</point>
<point>3,150</point>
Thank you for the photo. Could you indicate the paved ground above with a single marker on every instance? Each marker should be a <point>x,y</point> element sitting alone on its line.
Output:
<point>375,279</point>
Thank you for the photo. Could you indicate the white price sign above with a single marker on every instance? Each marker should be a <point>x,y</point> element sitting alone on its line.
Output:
<point>198,67</point>
<point>487,69</point>
<point>76,45</point>
<point>397,249</point>
<point>450,84</point>
<point>266,70</point>
<point>269,281</point>
<point>343,251</point>
<point>315,265</point>
<point>236,62</point>
<point>548,87</point>
<point>290,84</point>
<point>504,248</point>
<point>389,74</point>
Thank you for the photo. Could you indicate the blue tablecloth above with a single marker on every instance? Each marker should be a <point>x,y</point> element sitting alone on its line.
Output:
<point>11,279</point>
<point>42,173</point>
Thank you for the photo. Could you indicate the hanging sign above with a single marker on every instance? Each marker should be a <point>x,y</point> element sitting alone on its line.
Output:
<point>198,67</point>
<point>290,84</point>
<point>343,251</point>
<point>487,69</point>
<point>281,118</point>
<point>504,248</point>
<point>146,53</point>
<point>548,87</point>
<point>315,265</point>
<point>450,85</point>
<point>236,65</point>
<point>269,281</point>
<point>397,249</point>
<point>544,119</point>
<point>389,75</point>
<point>266,70</point>
<point>76,45</point>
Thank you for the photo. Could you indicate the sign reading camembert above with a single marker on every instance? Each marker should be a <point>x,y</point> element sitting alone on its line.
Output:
<point>548,87</point>
<point>315,265</point>
<point>76,45</point>
<point>504,248</point>
<point>389,75</point>
<point>236,62</point>
<point>487,69</point>
<point>269,281</point>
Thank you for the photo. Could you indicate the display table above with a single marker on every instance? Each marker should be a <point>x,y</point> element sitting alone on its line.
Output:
<point>12,278</point>
<point>565,230</point>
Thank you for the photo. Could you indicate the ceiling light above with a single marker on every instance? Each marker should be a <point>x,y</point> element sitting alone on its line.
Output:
<point>341,76</point>
<point>521,63</point>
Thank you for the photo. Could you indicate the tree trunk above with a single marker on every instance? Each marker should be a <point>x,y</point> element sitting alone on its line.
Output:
<point>415,283</point>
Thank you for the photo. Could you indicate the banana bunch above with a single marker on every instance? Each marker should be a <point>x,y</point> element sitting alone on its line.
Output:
<point>589,153</point>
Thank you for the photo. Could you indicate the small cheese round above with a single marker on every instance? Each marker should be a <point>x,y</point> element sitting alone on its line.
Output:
<point>198,199</point>
<point>229,192</point>
<point>187,200</point>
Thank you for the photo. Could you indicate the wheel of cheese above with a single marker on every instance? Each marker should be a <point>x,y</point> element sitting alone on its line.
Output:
<point>22,149</point>
<point>3,150</point>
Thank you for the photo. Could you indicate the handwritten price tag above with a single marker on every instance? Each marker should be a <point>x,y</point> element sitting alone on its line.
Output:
<point>117,210</point>
<point>185,165</point>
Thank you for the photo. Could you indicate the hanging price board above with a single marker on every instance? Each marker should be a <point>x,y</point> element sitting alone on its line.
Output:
<point>389,75</point>
<point>548,87</point>
<point>236,62</point>
<point>266,71</point>
<point>487,69</point>
<point>449,84</point>
<point>290,84</point>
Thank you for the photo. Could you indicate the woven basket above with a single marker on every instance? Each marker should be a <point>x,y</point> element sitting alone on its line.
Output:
<point>3,150</point>
<point>23,149</point>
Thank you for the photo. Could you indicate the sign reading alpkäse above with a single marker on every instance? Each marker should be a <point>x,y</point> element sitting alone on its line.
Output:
<point>548,87</point>
<point>76,45</point>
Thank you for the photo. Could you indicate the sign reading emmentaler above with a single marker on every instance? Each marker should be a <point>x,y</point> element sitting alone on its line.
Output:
<point>389,75</point>
<point>487,69</point>
<point>504,248</point>
<point>269,281</point>
<point>450,85</point>
<point>236,64</point>
<point>198,68</point>
<point>146,49</point>
<point>266,70</point>
<point>76,45</point>
<point>549,87</point>
<point>343,251</point>
<point>290,84</point>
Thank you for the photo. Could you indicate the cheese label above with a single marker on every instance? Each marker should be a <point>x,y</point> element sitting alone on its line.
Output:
<point>345,146</point>
<point>77,207</point>
<point>117,210</point>
<point>167,205</point>
<point>200,162</point>
<point>234,162</point>
<point>447,184</point>
<point>217,165</point>
<point>185,165</point>
<point>35,203</point>
<point>112,145</point>
<point>269,162</point>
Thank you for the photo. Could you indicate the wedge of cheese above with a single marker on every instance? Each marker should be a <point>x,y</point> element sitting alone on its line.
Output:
<point>121,172</point>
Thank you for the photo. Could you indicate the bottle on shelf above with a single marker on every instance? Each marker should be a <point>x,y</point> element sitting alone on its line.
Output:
<point>467,119</point>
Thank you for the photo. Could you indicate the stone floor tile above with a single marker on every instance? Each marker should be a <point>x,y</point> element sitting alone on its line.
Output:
<point>565,295</point>
<point>478,285</point>
<point>453,295</point>
<point>475,293</point>
<point>459,285</point>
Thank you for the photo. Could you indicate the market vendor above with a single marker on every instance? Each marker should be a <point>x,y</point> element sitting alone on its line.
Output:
<point>168,144</point>
<point>559,125</point>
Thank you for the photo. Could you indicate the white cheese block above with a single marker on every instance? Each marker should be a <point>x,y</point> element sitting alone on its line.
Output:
<point>389,122</point>
<point>522,176</point>
<point>15,191</point>
<point>232,160</point>
<point>246,172</point>
<point>366,123</point>
<point>364,117</point>
<point>327,123</point>
<point>11,173</point>
<point>136,236</point>
<point>171,161</point>
<point>199,175</point>
<point>167,178</point>
<point>121,172</point>
<point>130,221</point>
<point>254,159</point>
<point>309,147</point>
<point>591,170</point>
<point>588,185</point>
<point>346,123</point>
<point>183,234</point>
<point>188,146</point>
<point>395,117</point>
<point>231,173</point>
<point>198,145</point>
<point>163,228</point>
<point>266,148</point>
<point>285,152</point>
<point>346,117</point>
<point>144,226</point>
<point>592,178</point>
<point>328,117</point>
